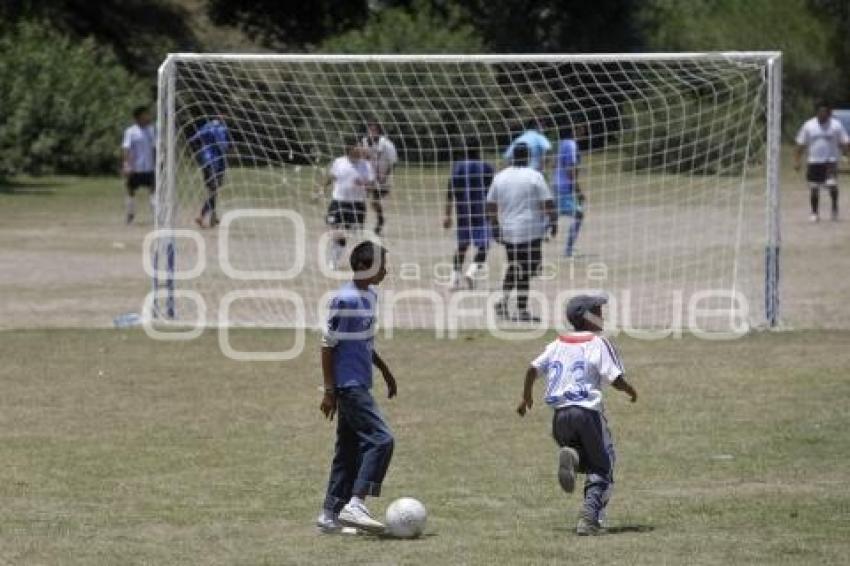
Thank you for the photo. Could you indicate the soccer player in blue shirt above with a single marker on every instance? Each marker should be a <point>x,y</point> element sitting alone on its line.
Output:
<point>537,144</point>
<point>567,191</point>
<point>364,443</point>
<point>212,140</point>
<point>467,189</point>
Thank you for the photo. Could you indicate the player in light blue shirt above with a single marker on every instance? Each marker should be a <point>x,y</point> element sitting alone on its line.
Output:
<point>212,140</point>
<point>567,191</point>
<point>364,443</point>
<point>537,144</point>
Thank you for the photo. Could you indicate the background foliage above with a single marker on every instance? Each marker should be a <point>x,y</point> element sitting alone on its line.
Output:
<point>63,102</point>
<point>112,49</point>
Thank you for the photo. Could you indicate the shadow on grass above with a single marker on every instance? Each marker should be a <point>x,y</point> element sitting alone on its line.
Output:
<point>389,537</point>
<point>634,528</point>
<point>619,529</point>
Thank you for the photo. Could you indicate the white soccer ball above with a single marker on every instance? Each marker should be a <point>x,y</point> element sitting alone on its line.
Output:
<point>406,518</point>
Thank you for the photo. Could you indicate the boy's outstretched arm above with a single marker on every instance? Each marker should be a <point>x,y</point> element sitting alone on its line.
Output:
<point>527,391</point>
<point>328,406</point>
<point>392,387</point>
<point>622,385</point>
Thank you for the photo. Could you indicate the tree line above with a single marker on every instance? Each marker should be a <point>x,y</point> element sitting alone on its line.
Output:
<point>73,69</point>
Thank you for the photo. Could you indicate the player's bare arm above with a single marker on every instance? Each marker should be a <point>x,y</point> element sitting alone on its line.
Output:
<point>527,391</point>
<point>620,384</point>
<point>389,378</point>
<point>125,162</point>
<point>328,405</point>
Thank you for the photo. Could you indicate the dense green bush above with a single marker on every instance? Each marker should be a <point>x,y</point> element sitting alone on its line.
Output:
<point>63,102</point>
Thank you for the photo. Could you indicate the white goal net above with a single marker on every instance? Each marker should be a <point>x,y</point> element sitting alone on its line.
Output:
<point>674,156</point>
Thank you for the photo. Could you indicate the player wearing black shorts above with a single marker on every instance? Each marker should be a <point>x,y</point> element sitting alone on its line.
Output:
<point>138,159</point>
<point>521,208</point>
<point>382,156</point>
<point>350,176</point>
<point>823,138</point>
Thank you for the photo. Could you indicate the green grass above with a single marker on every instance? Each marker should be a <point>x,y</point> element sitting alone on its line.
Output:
<point>115,449</point>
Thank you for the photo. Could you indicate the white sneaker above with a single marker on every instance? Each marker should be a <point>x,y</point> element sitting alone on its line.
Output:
<point>330,525</point>
<point>814,218</point>
<point>356,515</point>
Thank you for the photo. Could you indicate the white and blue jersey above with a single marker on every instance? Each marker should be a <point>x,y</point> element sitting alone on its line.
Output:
<point>576,367</point>
<point>468,186</point>
<point>566,161</point>
<point>350,331</point>
<point>537,144</point>
<point>213,140</point>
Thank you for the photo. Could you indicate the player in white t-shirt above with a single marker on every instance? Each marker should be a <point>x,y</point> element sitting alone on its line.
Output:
<point>382,155</point>
<point>823,138</point>
<point>350,176</point>
<point>138,158</point>
<point>520,208</point>
<point>577,366</point>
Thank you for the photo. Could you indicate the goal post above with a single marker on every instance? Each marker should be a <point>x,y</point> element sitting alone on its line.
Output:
<point>677,161</point>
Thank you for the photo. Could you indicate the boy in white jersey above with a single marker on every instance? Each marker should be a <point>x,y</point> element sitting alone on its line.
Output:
<point>577,366</point>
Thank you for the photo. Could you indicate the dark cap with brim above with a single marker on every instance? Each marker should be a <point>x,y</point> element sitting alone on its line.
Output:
<point>580,305</point>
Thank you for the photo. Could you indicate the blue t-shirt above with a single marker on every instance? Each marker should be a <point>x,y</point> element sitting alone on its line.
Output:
<point>469,184</point>
<point>568,158</point>
<point>214,140</point>
<point>350,331</point>
<point>537,144</point>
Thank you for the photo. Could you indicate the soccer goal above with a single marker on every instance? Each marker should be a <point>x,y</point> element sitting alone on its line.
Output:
<point>675,156</point>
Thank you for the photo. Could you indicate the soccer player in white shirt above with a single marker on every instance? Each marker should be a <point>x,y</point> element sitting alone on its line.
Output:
<point>382,155</point>
<point>577,366</point>
<point>138,161</point>
<point>823,138</point>
<point>350,175</point>
<point>520,208</point>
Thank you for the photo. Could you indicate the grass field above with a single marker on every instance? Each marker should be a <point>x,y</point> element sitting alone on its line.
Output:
<point>117,450</point>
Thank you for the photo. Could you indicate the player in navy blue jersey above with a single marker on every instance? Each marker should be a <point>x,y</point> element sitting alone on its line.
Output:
<point>467,190</point>
<point>212,140</point>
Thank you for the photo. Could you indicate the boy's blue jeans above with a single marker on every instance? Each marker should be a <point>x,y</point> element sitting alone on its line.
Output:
<point>364,447</point>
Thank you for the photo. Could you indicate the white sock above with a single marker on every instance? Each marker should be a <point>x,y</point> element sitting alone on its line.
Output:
<point>473,270</point>
<point>130,203</point>
<point>357,501</point>
<point>455,280</point>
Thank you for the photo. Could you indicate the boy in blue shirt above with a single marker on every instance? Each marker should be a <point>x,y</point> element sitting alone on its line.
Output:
<point>467,190</point>
<point>364,443</point>
<point>212,140</point>
<point>567,191</point>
